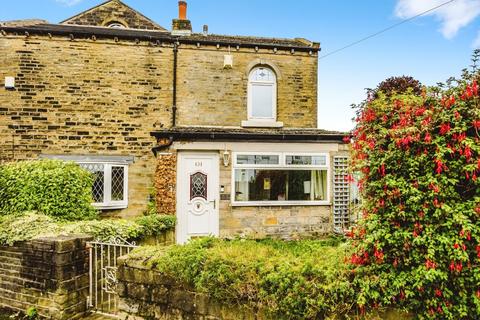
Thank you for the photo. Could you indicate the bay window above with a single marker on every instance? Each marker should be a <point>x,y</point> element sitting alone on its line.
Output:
<point>280,179</point>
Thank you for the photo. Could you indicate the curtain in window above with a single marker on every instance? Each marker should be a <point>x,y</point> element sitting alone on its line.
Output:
<point>318,185</point>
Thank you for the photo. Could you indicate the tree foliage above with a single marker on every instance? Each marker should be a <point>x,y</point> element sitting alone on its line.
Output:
<point>418,246</point>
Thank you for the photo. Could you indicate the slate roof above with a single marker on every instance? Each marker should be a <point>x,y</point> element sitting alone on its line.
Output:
<point>79,31</point>
<point>249,134</point>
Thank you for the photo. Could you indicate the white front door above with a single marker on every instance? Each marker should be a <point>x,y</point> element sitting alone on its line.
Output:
<point>197,196</point>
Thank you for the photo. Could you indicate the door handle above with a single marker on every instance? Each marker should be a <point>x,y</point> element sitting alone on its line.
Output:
<point>214,204</point>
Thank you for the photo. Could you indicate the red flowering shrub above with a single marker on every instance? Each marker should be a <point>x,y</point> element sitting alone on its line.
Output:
<point>418,246</point>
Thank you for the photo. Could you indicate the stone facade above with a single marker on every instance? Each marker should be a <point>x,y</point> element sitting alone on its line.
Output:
<point>113,12</point>
<point>49,274</point>
<point>72,98</point>
<point>104,96</point>
<point>209,95</point>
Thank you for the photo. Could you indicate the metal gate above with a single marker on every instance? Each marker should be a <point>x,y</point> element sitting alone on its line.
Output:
<point>103,297</point>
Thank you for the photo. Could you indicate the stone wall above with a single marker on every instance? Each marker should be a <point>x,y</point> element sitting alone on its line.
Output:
<point>147,294</point>
<point>49,274</point>
<point>210,95</point>
<point>85,98</point>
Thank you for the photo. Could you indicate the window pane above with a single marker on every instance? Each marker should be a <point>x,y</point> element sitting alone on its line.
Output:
<point>118,179</point>
<point>98,170</point>
<point>306,160</point>
<point>262,101</point>
<point>258,159</point>
<point>280,185</point>
<point>263,75</point>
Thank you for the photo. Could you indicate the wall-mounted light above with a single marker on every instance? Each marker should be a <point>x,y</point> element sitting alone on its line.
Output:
<point>226,158</point>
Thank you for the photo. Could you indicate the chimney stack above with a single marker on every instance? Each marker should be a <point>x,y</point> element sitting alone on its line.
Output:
<point>182,26</point>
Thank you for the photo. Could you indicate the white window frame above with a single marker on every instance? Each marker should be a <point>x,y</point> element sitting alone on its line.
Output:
<point>252,83</point>
<point>281,166</point>
<point>108,203</point>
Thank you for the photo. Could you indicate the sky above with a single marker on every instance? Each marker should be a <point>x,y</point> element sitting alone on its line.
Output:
<point>430,48</point>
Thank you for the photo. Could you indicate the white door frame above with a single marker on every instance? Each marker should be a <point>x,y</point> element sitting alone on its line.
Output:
<point>183,185</point>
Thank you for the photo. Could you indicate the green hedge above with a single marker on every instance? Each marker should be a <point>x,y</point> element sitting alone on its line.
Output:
<point>289,280</point>
<point>31,225</point>
<point>56,188</point>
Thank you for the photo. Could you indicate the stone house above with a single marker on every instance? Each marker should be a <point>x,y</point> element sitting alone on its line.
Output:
<point>222,128</point>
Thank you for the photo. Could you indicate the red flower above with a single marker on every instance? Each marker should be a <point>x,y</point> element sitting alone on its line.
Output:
<point>430,264</point>
<point>452,266</point>
<point>347,139</point>
<point>475,87</point>
<point>476,124</point>
<point>439,166</point>
<point>428,138</point>
<point>438,292</point>
<point>445,128</point>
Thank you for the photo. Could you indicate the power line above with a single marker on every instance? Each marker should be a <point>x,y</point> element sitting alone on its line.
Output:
<point>386,29</point>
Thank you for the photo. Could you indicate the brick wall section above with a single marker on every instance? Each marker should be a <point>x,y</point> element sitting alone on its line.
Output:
<point>212,95</point>
<point>147,294</point>
<point>85,98</point>
<point>166,183</point>
<point>50,274</point>
<point>114,11</point>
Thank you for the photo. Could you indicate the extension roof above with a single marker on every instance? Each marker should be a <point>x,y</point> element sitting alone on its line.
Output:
<point>243,134</point>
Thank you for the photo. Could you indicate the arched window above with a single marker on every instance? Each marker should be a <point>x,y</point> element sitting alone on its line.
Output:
<point>262,95</point>
<point>116,25</point>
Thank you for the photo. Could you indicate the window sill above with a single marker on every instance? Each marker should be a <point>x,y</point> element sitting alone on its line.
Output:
<point>280,203</point>
<point>110,207</point>
<point>261,124</point>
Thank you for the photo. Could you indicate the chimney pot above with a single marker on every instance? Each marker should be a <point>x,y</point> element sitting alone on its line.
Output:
<point>182,10</point>
<point>205,30</point>
<point>182,26</point>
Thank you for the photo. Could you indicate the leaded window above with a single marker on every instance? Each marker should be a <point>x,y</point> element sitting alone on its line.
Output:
<point>109,189</point>
<point>198,186</point>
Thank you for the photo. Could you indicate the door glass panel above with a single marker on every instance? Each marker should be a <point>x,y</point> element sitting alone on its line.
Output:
<point>198,186</point>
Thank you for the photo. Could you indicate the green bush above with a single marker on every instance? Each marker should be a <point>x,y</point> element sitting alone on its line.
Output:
<point>31,225</point>
<point>289,280</point>
<point>56,188</point>
<point>418,246</point>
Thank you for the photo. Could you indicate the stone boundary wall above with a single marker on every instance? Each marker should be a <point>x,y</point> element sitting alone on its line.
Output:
<point>148,294</point>
<point>50,274</point>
